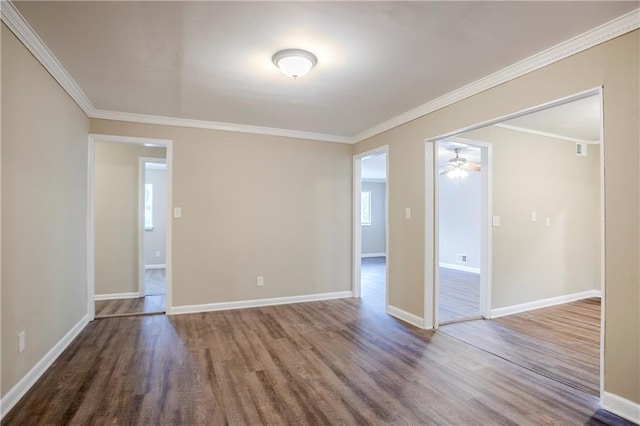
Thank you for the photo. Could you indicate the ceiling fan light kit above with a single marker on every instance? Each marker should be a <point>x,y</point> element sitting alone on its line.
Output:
<point>294,63</point>
<point>457,167</point>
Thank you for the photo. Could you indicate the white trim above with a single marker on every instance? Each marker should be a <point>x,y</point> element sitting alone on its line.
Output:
<point>28,380</point>
<point>168,145</point>
<point>117,296</point>
<point>603,265</point>
<point>405,316</point>
<point>459,267</point>
<point>544,303</point>
<point>545,134</point>
<point>256,303</point>
<point>156,266</point>
<point>608,31</point>
<point>21,28</point>
<point>621,407</point>
<point>215,125</point>
<point>373,255</point>
<point>431,256</point>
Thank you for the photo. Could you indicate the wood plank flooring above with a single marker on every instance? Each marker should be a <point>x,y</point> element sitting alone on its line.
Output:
<point>561,342</point>
<point>147,304</point>
<point>372,276</point>
<point>458,296</point>
<point>319,363</point>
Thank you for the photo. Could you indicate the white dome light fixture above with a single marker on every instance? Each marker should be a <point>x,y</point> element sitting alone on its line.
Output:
<point>294,62</point>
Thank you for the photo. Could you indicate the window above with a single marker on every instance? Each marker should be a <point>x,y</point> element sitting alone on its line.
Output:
<point>365,208</point>
<point>148,206</point>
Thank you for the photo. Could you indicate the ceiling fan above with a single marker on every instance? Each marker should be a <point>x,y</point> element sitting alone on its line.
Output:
<point>457,167</point>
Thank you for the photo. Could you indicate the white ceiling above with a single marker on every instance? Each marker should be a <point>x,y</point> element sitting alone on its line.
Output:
<point>212,60</point>
<point>578,120</point>
<point>374,168</point>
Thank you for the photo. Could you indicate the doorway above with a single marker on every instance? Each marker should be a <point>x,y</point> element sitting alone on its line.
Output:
<point>463,194</point>
<point>152,229</point>
<point>129,256</point>
<point>371,228</point>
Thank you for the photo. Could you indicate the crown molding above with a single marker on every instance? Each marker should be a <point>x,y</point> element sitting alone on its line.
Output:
<point>214,125</point>
<point>545,134</point>
<point>612,29</point>
<point>21,28</point>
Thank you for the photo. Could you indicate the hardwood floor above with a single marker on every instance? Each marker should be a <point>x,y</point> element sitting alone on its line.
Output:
<point>561,342</point>
<point>320,363</point>
<point>458,296</point>
<point>372,277</point>
<point>140,305</point>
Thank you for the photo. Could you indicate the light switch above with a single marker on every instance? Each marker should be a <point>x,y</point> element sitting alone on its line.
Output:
<point>496,221</point>
<point>534,216</point>
<point>407,213</point>
<point>177,212</point>
<point>547,222</point>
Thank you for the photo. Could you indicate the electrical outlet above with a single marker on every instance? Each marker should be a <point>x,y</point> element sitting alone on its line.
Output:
<point>21,342</point>
<point>260,281</point>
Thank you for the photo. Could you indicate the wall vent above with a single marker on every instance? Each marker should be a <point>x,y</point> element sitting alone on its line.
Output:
<point>461,258</point>
<point>581,149</point>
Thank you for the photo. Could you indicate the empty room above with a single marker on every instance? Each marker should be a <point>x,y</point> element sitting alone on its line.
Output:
<point>320,213</point>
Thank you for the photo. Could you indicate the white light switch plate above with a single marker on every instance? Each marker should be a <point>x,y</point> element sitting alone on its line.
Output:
<point>496,221</point>
<point>407,213</point>
<point>177,212</point>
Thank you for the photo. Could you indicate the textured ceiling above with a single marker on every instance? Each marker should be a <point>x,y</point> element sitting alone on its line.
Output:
<point>212,60</point>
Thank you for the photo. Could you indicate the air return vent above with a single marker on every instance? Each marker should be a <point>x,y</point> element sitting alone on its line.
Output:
<point>581,149</point>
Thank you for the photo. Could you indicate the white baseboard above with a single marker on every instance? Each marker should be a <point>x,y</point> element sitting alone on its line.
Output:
<point>242,304</point>
<point>158,266</point>
<point>405,316</point>
<point>113,296</point>
<point>544,303</point>
<point>373,255</point>
<point>621,407</point>
<point>459,267</point>
<point>19,389</point>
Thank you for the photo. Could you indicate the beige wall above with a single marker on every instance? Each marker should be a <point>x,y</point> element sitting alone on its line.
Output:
<point>116,215</point>
<point>254,205</point>
<point>614,65</point>
<point>44,174</point>
<point>530,261</point>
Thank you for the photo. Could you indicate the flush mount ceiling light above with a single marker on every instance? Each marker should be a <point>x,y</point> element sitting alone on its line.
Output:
<point>294,62</point>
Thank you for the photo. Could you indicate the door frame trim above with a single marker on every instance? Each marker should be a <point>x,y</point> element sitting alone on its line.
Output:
<point>90,259</point>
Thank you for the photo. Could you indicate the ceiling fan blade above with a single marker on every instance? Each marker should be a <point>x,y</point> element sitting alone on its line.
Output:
<point>472,166</point>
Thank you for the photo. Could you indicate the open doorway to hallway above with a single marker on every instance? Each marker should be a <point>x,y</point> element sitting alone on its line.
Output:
<point>462,209</point>
<point>371,222</point>
<point>129,223</point>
